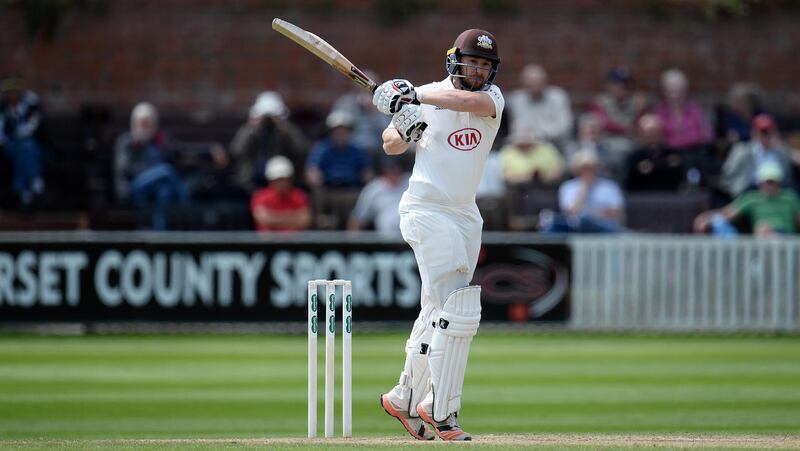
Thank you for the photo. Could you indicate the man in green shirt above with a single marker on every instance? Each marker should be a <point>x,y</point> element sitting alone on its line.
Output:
<point>771,209</point>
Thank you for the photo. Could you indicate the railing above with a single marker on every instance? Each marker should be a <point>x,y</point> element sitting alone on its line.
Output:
<point>685,283</point>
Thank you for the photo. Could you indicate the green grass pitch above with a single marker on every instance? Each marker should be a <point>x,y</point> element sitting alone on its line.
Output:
<point>254,386</point>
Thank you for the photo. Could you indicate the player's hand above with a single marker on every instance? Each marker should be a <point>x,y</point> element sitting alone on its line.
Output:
<point>408,122</point>
<point>393,94</point>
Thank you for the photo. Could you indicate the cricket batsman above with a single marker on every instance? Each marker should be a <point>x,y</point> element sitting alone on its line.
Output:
<point>454,123</point>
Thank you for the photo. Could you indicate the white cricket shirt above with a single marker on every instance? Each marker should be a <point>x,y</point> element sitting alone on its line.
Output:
<point>451,154</point>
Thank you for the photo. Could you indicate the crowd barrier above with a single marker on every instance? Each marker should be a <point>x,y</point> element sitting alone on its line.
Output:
<point>651,282</point>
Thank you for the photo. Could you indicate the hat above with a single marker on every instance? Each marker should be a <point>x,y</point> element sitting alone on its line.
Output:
<point>270,104</point>
<point>339,118</point>
<point>763,122</point>
<point>583,158</point>
<point>769,171</point>
<point>620,75</point>
<point>278,167</point>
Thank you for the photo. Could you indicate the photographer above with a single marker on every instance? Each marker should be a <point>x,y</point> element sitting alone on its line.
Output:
<point>267,133</point>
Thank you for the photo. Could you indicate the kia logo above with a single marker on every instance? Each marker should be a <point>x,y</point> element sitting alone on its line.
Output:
<point>464,139</point>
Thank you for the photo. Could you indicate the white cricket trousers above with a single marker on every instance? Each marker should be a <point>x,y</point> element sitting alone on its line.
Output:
<point>446,240</point>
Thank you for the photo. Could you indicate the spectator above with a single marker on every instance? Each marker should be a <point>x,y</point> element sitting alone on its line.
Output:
<point>591,137</point>
<point>618,108</point>
<point>267,133</point>
<point>369,122</point>
<point>654,166</point>
<point>280,206</point>
<point>588,203</point>
<point>684,122</point>
<point>740,168</point>
<point>526,159</point>
<point>742,104</point>
<point>335,161</point>
<point>770,210</point>
<point>379,200</point>
<point>19,122</point>
<point>541,108</point>
<point>143,170</point>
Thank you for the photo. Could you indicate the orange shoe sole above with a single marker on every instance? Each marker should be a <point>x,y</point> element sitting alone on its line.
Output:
<point>387,406</point>
<point>444,435</point>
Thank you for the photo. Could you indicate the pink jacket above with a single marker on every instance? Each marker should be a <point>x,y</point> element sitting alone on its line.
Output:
<point>685,128</point>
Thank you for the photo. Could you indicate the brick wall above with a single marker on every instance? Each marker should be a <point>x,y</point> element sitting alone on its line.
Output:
<point>216,55</point>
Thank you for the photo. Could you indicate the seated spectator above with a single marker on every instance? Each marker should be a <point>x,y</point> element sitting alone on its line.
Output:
<point>588,203</point>
<point>654,166</point>
<point>770,210</point>
<point>19,122</point>
<point>144,173</point>
<point>591,137</point>
<point>369,122</point>
<point>618,108</point>
<point>379,200</point>
<point>742,104</point>
<point>280,206</point>
<point>740,168</point>
<point>526,159</point>
<point>335,161</point>
<point>685,124</point>
<point>267,133</point>
<point>542,108</point>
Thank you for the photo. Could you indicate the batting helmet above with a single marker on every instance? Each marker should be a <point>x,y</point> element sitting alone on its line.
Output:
<point>473,42</point>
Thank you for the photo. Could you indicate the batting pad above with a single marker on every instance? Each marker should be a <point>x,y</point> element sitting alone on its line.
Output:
<point>458,323</point>
<point>414,381</point>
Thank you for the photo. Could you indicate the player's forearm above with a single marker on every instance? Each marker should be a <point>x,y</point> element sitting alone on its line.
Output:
<point>463,101</point>
<point>393,144</point>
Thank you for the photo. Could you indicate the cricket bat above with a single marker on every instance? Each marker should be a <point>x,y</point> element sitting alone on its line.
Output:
<point>324,51</point>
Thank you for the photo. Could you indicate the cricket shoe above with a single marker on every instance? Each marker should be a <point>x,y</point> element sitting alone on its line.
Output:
<point>446,430</point>
<point>415,426</point>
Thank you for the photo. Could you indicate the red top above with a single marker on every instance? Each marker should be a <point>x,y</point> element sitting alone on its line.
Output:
<point>293,201</point>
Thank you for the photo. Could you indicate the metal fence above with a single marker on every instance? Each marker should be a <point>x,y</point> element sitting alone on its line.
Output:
<point>685,283</point>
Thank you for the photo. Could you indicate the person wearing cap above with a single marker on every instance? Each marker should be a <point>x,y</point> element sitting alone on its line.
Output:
<point>527,160</point>
<point>267,132</point>
<point>770,210</point>
<point>618,108</point>
<point>454,123</point>
<point>280,206</point>
<point>335,161</point>
<point>588,203</point>
<point>541,107</point>
<point>20,116</point>
<point>740,168</point>
<point>378,201</point>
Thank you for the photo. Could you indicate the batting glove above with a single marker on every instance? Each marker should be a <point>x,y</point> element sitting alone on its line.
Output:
<point>408,121</point>
<point>393,94</point>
